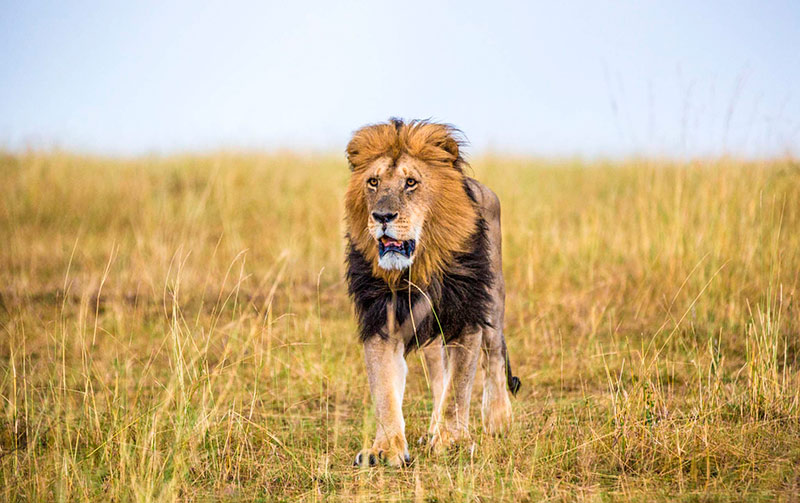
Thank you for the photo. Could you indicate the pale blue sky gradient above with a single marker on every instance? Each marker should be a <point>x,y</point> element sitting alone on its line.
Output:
<point>587,78</point>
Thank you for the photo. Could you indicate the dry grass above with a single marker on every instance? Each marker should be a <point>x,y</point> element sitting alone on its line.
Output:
<point>178,329</point>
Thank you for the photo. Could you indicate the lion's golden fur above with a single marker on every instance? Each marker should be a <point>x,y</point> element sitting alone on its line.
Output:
<point>451,216</point>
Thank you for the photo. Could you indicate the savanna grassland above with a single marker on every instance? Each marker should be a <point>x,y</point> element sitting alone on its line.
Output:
<point>178,329</point>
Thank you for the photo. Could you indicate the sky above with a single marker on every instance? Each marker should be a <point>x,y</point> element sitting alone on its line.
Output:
<point>590,78</point>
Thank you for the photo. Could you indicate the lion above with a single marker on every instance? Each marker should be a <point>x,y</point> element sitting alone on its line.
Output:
<point>424,271</point>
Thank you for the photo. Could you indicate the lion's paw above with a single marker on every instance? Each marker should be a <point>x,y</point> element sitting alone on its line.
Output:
<point>374,456</point>
<point>496,417</point>
<point>443,438</point>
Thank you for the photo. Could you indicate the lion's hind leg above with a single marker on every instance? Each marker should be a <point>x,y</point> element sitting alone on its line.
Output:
<point>496,405</point>
<point>451,419</point>
<point>433,355</point>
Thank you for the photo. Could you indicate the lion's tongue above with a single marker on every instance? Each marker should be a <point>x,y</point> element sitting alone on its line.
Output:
<point>391,242</point>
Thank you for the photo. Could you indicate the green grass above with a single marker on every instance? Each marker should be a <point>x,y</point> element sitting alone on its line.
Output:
<point>178,329</point>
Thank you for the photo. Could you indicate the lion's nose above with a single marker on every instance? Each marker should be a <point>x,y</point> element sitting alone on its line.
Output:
<point>384,218</point>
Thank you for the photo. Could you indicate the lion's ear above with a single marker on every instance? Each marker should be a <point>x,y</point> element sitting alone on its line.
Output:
<point>448,142</point>
<point>449,145</point>
<point>352,152</point>
<point>369,143</point>
<point>355,148</point>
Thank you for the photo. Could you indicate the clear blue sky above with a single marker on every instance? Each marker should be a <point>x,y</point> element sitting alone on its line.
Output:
<point>553,78</point>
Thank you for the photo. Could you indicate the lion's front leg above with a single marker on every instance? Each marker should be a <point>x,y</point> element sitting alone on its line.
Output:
<point>386,371</point>
<point>451,417</point>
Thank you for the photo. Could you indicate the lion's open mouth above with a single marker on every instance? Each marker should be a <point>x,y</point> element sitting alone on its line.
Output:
<point>391,245</point>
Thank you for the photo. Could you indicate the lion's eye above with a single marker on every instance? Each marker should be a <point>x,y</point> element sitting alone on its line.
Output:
<point>372,182</point>
<point>410,182</point>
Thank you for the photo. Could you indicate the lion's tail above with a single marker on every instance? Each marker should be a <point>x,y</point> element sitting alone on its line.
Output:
<point>513,381</point>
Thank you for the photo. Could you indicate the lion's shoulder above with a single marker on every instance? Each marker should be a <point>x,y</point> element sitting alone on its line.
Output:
<point>484,197</point>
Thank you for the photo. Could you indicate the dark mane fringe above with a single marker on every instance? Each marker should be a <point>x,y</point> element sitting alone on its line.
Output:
<point>461,296</point>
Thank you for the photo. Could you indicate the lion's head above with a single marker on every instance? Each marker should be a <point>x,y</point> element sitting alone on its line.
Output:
<point>407,206</point>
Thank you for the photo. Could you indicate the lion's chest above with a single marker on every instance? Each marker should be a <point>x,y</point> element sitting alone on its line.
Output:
<point>457,300</point>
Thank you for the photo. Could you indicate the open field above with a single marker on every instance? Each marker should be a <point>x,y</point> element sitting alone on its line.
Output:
<point>178,329</point>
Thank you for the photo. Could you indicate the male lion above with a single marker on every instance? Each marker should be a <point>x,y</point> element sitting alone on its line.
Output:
<point>424,271</point>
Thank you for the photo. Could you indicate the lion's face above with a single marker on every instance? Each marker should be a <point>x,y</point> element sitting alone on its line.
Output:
<point>397,197</point>
<point>406,204</point>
